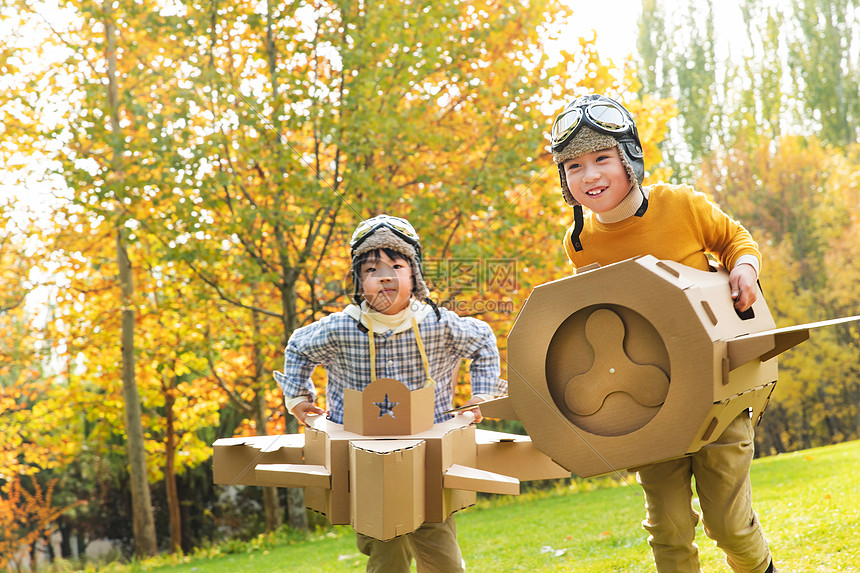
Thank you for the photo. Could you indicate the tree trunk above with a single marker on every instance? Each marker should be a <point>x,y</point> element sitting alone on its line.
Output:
<point>271,505</point>
<point>170,470</point>
<point>145,543</point>
<point>855,404</point>
<point>296,513</point>
<point>830,420</point>
<point>297,516</point>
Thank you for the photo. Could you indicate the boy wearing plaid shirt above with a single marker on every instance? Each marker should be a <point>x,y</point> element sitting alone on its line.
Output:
<point>391,301</point>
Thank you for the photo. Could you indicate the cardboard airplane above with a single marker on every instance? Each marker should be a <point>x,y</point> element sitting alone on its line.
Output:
<point>614,368</point>
<point>638,362</point>
<point>388,468</point>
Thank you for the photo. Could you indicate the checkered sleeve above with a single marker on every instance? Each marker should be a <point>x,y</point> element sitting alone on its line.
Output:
<point>474,340</point>
<point>308,347</point>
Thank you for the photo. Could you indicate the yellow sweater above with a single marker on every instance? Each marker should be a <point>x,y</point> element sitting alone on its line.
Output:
<point>680,225</point>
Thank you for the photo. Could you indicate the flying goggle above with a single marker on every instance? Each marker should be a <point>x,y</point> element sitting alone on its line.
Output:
<point>603,116</point>
<point>400,227</point>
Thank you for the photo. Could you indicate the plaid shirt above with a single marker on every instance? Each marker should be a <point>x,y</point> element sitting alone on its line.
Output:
<point>337,343</point>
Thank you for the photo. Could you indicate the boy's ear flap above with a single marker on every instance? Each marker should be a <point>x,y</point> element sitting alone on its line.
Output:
<point>633,150</point>
<point>634,156</point>
<point>565,190</point>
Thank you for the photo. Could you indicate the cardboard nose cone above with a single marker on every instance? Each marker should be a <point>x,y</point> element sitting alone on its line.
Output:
<point>627,364</point>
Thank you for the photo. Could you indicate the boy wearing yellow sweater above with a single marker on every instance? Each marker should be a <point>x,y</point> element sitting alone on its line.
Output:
<point>599,156</point>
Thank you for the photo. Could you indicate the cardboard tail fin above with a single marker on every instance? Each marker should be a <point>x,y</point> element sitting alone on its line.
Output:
<point>473,479</point>
<point>769,343</point>
<point>293,475</point>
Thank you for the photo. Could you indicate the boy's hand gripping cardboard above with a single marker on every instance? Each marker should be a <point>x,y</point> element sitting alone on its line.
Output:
<point>638,362</point>
<point>388,469</point>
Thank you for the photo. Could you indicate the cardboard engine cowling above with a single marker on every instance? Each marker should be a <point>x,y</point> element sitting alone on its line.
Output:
<point>638,362</point>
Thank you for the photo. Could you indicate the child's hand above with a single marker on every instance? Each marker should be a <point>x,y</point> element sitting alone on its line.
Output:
<point>742,281</point>
<point>475,411</point>
<point>304,409</point>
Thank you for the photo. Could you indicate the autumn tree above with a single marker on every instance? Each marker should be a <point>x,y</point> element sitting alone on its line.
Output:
<point>220,154</point>
<point>311,120</point>
<point>651,49</point>
<point>796,197</point>
<point>23,379</point>
<point>763,103</point>
<point>28,451</point>
<point>824,64</point>
<point>178,402</point>
<point>677,60</point>
<point>91,249</point>
<point>240,142</point>
<point>25,516</point>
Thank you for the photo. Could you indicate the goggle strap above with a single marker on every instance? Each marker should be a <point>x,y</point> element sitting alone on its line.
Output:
<point>643,207</point>
<point>578,224</point>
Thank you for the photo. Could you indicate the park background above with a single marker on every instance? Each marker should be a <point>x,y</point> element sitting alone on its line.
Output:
<point>179,182</point>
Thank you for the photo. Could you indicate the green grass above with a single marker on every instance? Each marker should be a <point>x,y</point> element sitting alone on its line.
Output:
<point>808,503</point>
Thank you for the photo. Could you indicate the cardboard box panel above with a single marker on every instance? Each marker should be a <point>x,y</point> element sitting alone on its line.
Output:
<point>318,452</point>
<point>500,408</point>
<point>387,408</point>
<point>446,443</point>
<point>751,375</point>
<point>722,413</point>
<point>608,370</point>
<point>452,442</point>
<point>387,486</point>
<point>459,447</point>
<point>388,478</point>
<point>328,445</point>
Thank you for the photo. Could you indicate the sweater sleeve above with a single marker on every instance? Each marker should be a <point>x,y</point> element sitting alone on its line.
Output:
<point>723,237</point>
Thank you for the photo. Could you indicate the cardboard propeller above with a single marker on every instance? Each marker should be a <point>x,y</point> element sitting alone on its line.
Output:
<point>638,362</point>
<point>388,468</point>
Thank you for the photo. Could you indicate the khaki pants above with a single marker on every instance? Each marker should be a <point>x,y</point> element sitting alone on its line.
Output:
<point>722,477</point>
<point>433,545</point>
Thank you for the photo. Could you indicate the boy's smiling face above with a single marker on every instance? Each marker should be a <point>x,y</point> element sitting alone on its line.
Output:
<point>597,180</point>
<point>386,283</point>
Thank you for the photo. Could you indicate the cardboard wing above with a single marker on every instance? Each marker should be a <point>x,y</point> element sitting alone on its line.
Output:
<point>234,459</point>
<point>514,455</point>
<point>397,475</point>
<point>638,362</point>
